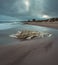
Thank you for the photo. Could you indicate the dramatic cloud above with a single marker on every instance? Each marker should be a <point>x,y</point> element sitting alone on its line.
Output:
<point>50,7</point>
<point>28,9</point>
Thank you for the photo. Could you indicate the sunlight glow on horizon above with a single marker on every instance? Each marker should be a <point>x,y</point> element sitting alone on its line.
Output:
<point>45,16</point>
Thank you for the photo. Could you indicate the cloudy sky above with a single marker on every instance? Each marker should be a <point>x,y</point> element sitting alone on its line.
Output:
<point>28,9</point>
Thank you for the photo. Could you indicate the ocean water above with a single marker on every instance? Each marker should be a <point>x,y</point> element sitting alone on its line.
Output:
<point>7,29</point>
<point>6,25</point>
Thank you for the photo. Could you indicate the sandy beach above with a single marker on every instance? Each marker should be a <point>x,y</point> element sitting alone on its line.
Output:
<point>45,24</point>
<point>33,52</point>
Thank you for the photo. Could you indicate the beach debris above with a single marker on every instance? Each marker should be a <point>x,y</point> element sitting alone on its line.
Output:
<point>26,34</point>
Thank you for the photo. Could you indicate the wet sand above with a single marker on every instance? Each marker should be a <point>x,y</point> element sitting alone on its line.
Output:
<point>34,52</point>
<point>4,36</point>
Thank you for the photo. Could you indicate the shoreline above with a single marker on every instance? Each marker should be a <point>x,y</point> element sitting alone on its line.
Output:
<point>44,24</point>
<point>4,34</point>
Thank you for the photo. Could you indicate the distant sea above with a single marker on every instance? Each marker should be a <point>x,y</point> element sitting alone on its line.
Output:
<point>8,24</point>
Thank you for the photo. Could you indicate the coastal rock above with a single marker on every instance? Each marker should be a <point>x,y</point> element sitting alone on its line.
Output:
<point>30,35</point>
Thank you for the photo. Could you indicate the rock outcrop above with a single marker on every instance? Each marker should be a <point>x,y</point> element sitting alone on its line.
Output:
<point>30,34</point>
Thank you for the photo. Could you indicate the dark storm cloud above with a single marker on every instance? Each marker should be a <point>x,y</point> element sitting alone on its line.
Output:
<point>37,8</point>
<point>11,7</point>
